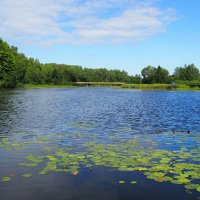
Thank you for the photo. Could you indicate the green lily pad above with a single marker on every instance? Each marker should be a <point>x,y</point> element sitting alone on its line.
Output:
<point>121,182</point>
<point>133,182</point>
<point>191,186</point>
<point>81,124</point>
<point>6,178</point>
<point>27,175</point>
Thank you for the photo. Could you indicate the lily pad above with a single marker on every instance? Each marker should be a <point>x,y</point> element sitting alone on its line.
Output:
<point>133,182</point>
<point>121,182</point>
<point>6,178</point>
<point>191,186</point>
<point>27,175</point>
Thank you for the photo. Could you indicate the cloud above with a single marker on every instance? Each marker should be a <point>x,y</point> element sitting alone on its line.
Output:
<point>54,22</point>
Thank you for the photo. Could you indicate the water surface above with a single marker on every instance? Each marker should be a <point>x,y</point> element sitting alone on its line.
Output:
<point>99,128</point>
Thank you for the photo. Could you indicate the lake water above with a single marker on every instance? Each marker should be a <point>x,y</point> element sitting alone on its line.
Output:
<point>99,144</point>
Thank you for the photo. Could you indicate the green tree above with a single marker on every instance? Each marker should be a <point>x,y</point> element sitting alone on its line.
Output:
<point>148,74</point>
<point>7,66</point>
<point>137,79</point>
<point>186,73</point>
<point>161,75</point>
<point>192,72</point>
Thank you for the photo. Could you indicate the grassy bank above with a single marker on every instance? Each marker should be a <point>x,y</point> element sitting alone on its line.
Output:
<point>32,86</point>
<point>124,86</point>
<point>159,87</point>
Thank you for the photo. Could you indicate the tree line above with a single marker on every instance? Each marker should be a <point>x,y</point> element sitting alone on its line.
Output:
<point>16,69</point>
<point>186,74</point>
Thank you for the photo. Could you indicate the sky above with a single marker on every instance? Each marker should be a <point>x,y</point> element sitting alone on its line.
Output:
<point>115,34</point>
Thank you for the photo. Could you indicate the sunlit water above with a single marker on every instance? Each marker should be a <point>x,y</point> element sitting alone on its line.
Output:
<point>31,120</point>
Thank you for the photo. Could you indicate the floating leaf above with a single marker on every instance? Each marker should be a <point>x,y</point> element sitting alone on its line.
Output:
<point>75,173</point>
<point>27,175</point>
<point>50,157</point>
<point>165,160</point>
<point>121,182</point>
<point>191,186</point>
<point>133,182</point>
<point>6,178</point>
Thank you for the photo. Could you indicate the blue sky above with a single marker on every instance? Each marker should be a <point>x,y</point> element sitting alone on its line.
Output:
<point>113,34</point>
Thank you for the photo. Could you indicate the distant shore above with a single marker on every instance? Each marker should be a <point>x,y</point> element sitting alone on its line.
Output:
<point>124,86</point>
<point>32,86</point>
<point>160,87</point>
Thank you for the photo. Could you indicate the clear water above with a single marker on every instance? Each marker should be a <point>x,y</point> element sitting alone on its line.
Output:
<point>103,115</point>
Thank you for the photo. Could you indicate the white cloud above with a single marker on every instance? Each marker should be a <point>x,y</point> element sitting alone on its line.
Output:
<point>49,22</point>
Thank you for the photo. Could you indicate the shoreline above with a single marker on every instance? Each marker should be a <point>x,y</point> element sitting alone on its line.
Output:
<point>32,86</point>
<point>164,87</point>
<point>167,87</point>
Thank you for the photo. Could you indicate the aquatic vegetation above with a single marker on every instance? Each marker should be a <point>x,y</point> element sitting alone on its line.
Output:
<point>26,175</point>
<point>19,141</point>
<point>191,186</point>
<point>121,182</point>
<point>176,161</point>
<point>133,182</point>
<point>9,144</point>
<point>6,178</point>
<point>81,124</point>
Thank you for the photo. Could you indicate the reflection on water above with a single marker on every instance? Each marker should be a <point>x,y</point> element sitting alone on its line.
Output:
<point>89,120</point>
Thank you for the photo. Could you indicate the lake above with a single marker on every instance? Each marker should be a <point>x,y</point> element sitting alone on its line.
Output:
<point>99,144</point>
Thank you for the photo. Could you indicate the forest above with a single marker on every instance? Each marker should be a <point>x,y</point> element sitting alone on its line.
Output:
<point>16,70</point>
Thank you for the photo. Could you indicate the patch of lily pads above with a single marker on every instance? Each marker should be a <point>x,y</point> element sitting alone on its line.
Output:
<point>81,124</point>
<point>168,157</point>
